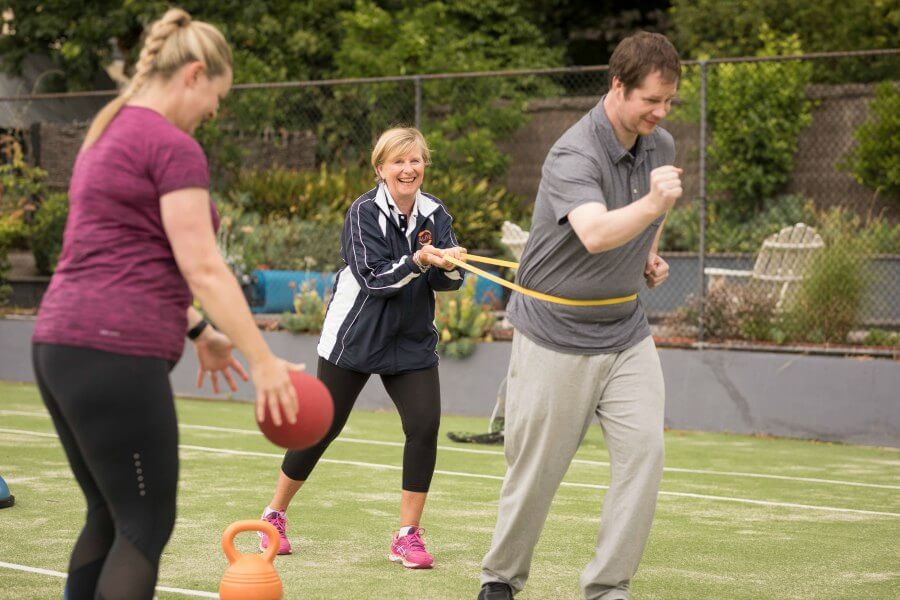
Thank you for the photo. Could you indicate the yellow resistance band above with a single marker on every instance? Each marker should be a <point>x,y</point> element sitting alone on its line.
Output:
<point>521,290</point>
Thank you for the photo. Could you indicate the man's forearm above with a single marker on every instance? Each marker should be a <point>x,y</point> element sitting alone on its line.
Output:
<point>655,248</point>
<point>601,230</point>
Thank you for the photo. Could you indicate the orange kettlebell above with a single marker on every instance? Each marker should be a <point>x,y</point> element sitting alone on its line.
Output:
<point>250,576</point>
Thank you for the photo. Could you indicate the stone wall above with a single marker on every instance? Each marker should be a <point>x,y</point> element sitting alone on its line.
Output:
<point>278,147</point>
<point>838,111</point>
<point>550,118</point>
<point>55,145</point>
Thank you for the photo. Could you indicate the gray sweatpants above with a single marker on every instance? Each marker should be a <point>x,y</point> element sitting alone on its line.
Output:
<point>551,399</point>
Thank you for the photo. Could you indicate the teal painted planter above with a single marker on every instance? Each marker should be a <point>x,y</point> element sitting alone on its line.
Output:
<point>273,291</point>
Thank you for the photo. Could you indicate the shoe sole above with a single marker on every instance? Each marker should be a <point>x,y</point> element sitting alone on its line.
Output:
<point>409,565</point>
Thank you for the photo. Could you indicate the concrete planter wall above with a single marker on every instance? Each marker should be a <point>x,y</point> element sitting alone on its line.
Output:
<point>811,397</point>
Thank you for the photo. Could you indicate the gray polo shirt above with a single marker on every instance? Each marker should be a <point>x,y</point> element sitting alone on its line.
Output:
<point>587,164</point>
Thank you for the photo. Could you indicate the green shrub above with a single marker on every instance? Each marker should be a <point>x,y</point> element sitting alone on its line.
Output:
<point>20,183</point>
<point>283,244</point>
<point>45,234</point>
<point>875,159</point>
<point>309,312</point>
<point>881,337</point>
<point>880,235</point>
<point>320,196</point>
<point>461,321</point>
<point>755,112</point>
<point>830,297</point>
<point>478,207</point>
<point>9,232</point>
<point>724,29</point>
<point>223,152</point>
<point>826,306</point>
<point>733,311</point>
<point>727,233</point>
<point>21,188</point>
<point>463,118</point>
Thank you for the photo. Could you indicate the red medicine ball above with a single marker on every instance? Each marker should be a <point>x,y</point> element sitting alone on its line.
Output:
<point>315,413</point>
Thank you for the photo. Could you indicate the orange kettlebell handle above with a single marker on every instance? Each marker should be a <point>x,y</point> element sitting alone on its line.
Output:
<point>249,525</point>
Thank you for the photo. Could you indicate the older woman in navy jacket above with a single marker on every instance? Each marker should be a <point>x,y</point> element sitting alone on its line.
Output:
<point>381,321</point>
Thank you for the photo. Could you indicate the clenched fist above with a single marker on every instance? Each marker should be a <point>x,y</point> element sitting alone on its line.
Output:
<point>665,187</point>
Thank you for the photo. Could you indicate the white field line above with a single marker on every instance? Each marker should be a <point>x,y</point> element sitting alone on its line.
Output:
<point>499,478</point>
<point>579,461</point>
<point>23,432</point>
<point>161,588</point>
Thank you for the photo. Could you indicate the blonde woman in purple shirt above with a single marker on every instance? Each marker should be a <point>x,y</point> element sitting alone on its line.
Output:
<point>139,245</point>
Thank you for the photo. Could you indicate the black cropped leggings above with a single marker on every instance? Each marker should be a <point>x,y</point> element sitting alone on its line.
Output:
<point>115,417</point>
<point>416,394</point>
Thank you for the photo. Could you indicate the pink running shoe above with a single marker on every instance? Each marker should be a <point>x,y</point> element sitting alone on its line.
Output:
<point>280,522</point>
<point>410,550</point>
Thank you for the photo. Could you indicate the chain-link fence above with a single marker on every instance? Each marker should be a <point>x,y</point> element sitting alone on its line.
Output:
<point>795,166</point>
<point>766,144</point>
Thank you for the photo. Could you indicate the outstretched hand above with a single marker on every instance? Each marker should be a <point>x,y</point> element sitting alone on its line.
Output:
<point>214,353</point>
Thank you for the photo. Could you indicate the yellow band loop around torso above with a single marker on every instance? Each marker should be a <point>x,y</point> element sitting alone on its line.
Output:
<point>521,290</point>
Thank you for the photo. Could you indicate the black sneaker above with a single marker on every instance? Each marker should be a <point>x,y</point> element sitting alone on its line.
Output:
<point>463,437</point>
<point>495,590</point>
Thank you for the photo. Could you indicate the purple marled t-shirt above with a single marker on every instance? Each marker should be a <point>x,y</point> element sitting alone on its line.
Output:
<point>117,287</point>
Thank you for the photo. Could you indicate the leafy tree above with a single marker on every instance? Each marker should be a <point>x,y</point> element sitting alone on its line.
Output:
<point>272,41</point>
<point>297,40</point>
<point>589,30</point>
<point>435,37</point>
<point>875,160</point>
<point>756,112</point>
<point>720,29</point>
<point>731,28</point>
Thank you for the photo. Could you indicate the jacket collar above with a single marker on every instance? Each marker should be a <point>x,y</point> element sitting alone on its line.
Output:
<point>424,206</point>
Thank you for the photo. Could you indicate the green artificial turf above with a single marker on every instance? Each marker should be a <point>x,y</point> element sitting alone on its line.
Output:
<point>737,516</point>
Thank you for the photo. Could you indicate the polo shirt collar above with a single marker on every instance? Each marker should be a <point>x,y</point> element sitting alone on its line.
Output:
<point>608,138</point>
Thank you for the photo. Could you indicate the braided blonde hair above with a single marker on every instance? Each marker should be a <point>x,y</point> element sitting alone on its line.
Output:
<point>172,42</point>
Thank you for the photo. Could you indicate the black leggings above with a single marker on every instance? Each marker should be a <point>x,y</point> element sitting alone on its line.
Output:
<point>115,417</point>
<point>416,394</point>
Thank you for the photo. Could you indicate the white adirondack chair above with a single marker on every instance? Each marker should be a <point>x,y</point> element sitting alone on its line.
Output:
<point>514,238</point>
<point>782,262</point>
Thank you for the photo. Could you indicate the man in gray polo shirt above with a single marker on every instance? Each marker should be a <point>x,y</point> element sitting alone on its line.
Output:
<point>605,189</point>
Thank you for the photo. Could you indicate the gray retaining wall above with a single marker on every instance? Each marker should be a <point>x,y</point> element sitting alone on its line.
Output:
<point>852,400</point>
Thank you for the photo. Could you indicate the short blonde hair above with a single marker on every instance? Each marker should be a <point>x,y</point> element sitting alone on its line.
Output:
<point>399,141</point>
<point>171,42</point>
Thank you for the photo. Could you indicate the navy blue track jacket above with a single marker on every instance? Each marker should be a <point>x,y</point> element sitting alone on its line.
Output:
<point>381,315</point>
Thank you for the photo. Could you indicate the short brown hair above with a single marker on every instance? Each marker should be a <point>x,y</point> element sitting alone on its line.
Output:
<point>639,55</point>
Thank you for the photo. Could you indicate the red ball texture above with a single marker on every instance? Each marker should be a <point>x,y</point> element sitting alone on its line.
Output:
<point>315,413</point>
